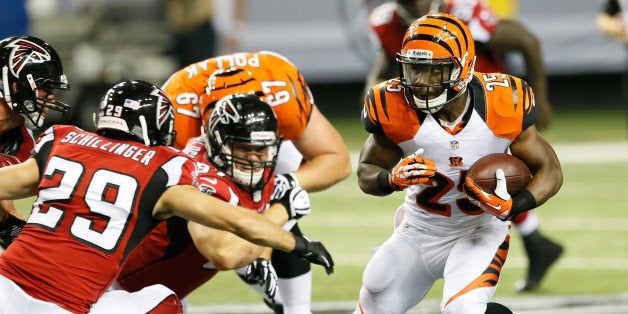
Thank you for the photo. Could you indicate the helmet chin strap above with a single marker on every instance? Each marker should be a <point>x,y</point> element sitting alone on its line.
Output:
<point>32,118</point>
<point>29,121</point>
<point>5,86</point>
<point>144,130</point>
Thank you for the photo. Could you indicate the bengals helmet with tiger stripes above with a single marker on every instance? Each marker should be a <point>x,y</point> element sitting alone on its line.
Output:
<point>436,61</point>
<point>228,81</point>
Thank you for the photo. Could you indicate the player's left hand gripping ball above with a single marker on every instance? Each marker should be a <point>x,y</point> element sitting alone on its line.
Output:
<point>498,204</point>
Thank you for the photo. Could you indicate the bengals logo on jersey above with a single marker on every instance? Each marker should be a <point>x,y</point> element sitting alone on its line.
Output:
<point>23,52</point>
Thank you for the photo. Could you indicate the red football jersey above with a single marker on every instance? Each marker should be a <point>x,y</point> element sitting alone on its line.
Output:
<point>389,27</point>
<point>168,256</point>
<point>95,202</point>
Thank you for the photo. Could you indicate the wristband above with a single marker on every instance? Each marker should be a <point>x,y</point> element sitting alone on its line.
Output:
<point>522,202</point>
<point>382,182</point>
<point>300,245</point>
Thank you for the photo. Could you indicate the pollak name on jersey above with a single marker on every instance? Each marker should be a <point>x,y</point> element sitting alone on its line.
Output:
<point>133,152</point>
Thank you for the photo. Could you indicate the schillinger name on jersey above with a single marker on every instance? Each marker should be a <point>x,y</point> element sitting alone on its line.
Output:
<point>130,151</point>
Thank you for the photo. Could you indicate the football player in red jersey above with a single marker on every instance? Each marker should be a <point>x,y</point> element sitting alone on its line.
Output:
<point>493,36</point>
<point>427,127</point>
<point>30,71</point>
<point>235,157</point>
<point>311,145</point>
<point>98,195</point>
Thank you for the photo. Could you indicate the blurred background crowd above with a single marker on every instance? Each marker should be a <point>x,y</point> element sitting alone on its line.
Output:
<point>104,41</point>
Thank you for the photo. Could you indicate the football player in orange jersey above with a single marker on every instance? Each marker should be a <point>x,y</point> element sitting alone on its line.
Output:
<point>311,146</point>
<point>493,36</point>
<point>30,71</point>
<point>427,127</point>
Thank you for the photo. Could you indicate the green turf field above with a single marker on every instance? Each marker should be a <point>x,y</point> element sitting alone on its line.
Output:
<point>589,216</point>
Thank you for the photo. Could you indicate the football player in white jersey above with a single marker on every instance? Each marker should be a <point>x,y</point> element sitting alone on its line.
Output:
<point>493,37</point>
<point>427,127</point>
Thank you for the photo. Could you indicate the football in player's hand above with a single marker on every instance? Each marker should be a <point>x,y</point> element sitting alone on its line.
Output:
<point>516,171</point>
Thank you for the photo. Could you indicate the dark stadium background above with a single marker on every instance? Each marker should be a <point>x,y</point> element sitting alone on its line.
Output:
<point>103,42</point>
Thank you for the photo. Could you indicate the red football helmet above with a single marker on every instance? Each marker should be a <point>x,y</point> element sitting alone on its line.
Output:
<point>436,61</point>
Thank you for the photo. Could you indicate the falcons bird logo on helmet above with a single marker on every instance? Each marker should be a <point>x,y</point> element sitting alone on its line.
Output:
<point>23,52</point>
<point>165,112</point>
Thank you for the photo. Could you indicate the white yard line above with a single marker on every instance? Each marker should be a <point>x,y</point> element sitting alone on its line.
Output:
<point>522,304</point>
<point>578,153</point>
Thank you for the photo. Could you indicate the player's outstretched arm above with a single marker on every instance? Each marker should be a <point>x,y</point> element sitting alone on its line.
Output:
<point>186,201</point>
<point>226,250</point>
<point>19,181</point>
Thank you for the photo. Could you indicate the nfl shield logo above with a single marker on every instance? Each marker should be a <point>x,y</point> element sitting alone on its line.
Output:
<point>454,144</point>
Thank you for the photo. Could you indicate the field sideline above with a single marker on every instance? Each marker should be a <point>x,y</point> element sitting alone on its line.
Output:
<point>605,304</point>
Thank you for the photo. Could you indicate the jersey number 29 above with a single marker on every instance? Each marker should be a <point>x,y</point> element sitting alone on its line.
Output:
<point>109,197</point>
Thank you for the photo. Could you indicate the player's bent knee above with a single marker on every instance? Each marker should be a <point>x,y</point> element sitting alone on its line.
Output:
<point>375,282</point>
<point>380,274</point>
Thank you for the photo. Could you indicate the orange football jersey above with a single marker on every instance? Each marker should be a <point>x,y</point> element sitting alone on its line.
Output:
<point>500,107</point>
<point>504,102</point>
<point>283,86</point>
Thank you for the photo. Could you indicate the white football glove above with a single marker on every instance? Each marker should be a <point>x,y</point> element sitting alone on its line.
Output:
<point>283,183</point>
<point>295,200</point>
<point>262,272</point>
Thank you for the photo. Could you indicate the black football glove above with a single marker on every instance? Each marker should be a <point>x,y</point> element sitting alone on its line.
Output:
<point>313,252</point>
<point>10,228</point>
<point>261,271</point>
